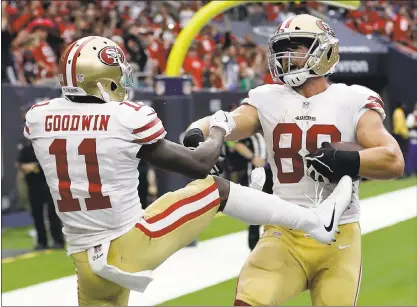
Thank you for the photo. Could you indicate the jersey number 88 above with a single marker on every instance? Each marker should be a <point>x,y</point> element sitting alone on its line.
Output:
<point>292,152</point>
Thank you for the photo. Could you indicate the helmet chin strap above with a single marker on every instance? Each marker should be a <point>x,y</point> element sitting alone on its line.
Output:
<point>296,79</point>
<point>299,78</point>
<point>104,94</point>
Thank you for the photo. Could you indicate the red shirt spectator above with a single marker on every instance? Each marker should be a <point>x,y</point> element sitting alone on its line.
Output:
<point>158,52</point>
<point>401,27</point>
<point>46,60</point>
<point>365,26</point>
<point>215,77</point>
<point>67,31</point>
<point>216,72</point>
<point>272,11</point>
<point>373,16</point>
<point>351,25</point>
<point>207,44</point>
<point>194,66</point>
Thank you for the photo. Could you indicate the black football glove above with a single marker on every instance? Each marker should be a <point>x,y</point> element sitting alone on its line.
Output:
<point>329,165</point>
<point>193,138</point>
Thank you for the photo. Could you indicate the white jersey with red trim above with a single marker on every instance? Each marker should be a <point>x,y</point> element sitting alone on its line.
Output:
<point>294,126</point>
<point>88,154</point>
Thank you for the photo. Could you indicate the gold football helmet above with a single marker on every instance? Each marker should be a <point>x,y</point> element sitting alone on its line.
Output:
<point>312,32</point>
<point>95,66</point>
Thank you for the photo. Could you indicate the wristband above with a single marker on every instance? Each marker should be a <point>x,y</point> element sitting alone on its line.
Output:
<point>348,163</point>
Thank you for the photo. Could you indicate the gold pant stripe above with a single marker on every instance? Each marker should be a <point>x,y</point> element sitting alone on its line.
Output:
<point>359,285</point>
<point>161,224</point>
<point>178,223</point>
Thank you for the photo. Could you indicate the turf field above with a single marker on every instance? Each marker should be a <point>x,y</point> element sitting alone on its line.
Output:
<point>390,268</point>
<point>389,273</point>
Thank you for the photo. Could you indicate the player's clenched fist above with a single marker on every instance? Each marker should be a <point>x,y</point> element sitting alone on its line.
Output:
<point>223,120</point>
<point>329,165</point>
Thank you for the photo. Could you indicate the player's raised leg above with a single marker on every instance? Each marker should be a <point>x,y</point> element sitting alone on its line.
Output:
<point>169,224</point>
<point>337,282</point>
<point>175,219</point>
<point>178,217</point>
<point>256,207</point>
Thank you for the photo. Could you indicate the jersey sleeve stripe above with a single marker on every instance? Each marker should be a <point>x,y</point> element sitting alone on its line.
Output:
<point>137,107</point>
<point>151,137</point>
<point>376,100</point>
<point>373,105</point>
<point>147,126</point>
<point>40,104</point>
<point>27,129</point>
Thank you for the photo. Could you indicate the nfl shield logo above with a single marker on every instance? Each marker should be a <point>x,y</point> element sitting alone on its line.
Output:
<point>306,104</point>
<point>97,248</point>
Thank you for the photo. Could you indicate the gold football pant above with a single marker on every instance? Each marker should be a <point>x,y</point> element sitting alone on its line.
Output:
<point>285,263</point>
<point>170,223</point>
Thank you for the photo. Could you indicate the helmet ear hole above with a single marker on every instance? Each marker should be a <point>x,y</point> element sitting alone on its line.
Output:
<point>113,86</point>
<point>329,54</point>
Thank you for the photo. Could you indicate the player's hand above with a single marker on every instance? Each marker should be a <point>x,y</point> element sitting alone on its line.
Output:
<point>223,120</point>
<point>258,178</point>
<point>28,168</point>
<point>219,166</point>
<point>329,165</point>
<point>193,138</point>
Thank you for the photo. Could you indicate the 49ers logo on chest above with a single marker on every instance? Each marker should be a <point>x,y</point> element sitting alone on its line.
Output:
<point>111,56</point>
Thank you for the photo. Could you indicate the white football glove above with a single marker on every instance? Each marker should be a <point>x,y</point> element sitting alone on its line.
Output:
<point>258,178</point>
<point>223,120</point>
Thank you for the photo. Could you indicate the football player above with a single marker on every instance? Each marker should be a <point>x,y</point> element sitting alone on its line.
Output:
<point>295,119</point>
<point>89,144</point>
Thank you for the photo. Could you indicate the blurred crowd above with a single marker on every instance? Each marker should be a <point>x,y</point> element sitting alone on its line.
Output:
<point>396,20</point>
<point>35,33</point>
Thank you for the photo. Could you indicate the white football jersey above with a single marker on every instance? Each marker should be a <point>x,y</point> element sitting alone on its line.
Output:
<point>294,126</point>
<point>88,153</point>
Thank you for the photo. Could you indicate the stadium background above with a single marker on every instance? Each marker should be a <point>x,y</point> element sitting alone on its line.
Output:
<point>226,59</point>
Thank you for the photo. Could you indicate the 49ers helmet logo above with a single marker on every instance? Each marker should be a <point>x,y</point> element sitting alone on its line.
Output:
<point>326,28</point>
<point>111,56</point>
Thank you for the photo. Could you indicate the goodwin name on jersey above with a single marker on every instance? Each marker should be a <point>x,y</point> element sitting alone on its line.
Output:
<point>76,122</point>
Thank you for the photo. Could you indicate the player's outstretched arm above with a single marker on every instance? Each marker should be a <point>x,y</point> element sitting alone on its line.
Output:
<point>382,157</point>
<point>245,117</point>
<point>176,158</point>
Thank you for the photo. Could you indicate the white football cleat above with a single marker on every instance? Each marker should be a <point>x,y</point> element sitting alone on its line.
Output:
<point>330,211</point>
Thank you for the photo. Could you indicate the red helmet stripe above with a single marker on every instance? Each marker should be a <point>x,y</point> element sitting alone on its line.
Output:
<point>288,22</point>
<point>63,63</point>
<point>75,58</point>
